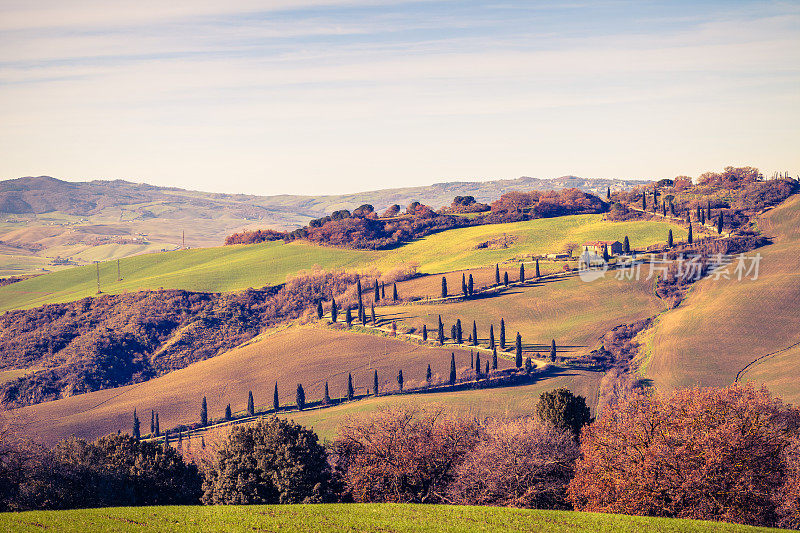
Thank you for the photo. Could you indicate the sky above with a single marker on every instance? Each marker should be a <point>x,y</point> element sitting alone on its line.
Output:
<point>334,96</point>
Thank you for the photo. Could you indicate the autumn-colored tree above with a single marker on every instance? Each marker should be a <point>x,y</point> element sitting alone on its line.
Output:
<point>403,456</point>
<point>705,453</point>
<point>519,462</point>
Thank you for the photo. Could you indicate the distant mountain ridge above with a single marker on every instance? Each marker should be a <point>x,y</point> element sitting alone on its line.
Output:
<point>43,194</point>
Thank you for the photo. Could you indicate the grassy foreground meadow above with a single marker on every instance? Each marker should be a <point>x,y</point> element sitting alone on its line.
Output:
<point>230,268</point>
<point>350,517</point>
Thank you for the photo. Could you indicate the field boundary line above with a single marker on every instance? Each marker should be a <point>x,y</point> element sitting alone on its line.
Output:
<point>759,359</point>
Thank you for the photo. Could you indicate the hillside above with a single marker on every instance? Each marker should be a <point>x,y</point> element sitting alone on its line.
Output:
<point>725,325</point>
<point>350,517</point>
<point>42,218</point>
<point>238,267</point>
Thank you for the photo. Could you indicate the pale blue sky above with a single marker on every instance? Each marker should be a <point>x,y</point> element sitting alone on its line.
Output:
<point>325,96</point>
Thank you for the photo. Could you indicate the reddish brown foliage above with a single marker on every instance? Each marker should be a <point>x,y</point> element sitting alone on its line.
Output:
<point>253,237</point>
<point>515,206</point>
<point>715,454</point>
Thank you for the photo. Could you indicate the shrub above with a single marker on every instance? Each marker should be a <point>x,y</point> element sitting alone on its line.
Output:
<point>272,461</point>
<point>563,410</point>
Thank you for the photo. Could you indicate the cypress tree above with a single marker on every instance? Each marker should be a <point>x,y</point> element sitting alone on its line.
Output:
<point>497,274</point>
<point>719,223</point>
<point>251,406</point>
<point>300,397</point>
<point>487,368</point>
<point>424,333</point>
<point>319,309</point>
<point>505,279</point>
<point>474,333</point>
<point>459,336</point>
<point>502,334</point>
<point>708,209</point>
<point>428,374</point>
<point>348,317</point>
<point>228,413</point>
<point>394,292</point>
<point>372,311</point>
<point>471,285</point>
<point>464,285</point>
<point>452,369</point>
<point>166,442</point>
<point>478,364</point>
<point>136,434</point>
<point>689,236</point>
<point>377,295</point>
<point>605,253</point>
<point>518,348</point>
<point>334,310</point>
<point>669,239</point>
<point>276,404</point>
<point>528,365</point>
<point>644,201</point>
<point>626,245</point>
<point>400,380</point>
<point>491,336</point>
<point>522,272</point>
<point>608,193</point>
<point>471,359</point>
<point>537,268</point>
<point>444,287</point>
<point>375,381</point>
<point>152,422</point>
<point>204,413</point>
<point>358,290</point>
<point>454,333</point>
<point>702,216</point>
<point>362,315</point>
<point>494,359</point>
<point>699,210</point>
<point>553,350</point>
<point>441,331</point>
<point>383,290</point>
<point>158,428</point>
<point>326,397</point>
<point>350,391</point>
<point>672,208</point>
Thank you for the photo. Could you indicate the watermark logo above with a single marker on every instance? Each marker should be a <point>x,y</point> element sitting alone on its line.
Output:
<point>739,267</point>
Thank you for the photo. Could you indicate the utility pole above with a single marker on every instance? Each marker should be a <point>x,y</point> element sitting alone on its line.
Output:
<point>97,265</point>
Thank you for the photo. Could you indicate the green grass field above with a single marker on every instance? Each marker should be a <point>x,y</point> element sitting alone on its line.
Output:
<point>723,325</point>
<point>231,268</point>
<point>349,517</point>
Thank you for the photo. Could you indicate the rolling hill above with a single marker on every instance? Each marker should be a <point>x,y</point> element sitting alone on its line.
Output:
<point>727,326</point>
<point>238,267</point>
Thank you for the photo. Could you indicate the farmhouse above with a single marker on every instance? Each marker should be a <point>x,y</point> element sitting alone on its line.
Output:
<point>596,247</point>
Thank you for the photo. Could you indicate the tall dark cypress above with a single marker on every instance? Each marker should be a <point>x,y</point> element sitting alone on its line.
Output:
<point>708,209</point>
<point>518,349</point>
<point>502,334</point>
<point>394,292</point>
<point>358,290</point>
<point>644,201</point>
<point>319,309</point>
<point>383,290</point>
<point>428,374</point>
<point>719,223</point>
<point>276,404</point>
<point>136,432</point>
<point>505,279</point>
<point>441,331</point>
<point>626,245</point>
<point>491,336</point>
<point>494,359</point>
<point>300,398</point>
<point>454,333</point>
<point>537,268</point>
<point>228,413</point>
<point>444,287</point>
<point>400,380</point>
<point>471,359</point>
<point>348,317</point>
<point>204,413</point>
<point>375,382</point>
<point>251,406</point>
<point>158,427</point>
<point>377,295</point>
<point>497,274</point>
<point>608,193</point>
<point>452,369</point>
<point>471,285</point>
<point>459,336</point>
<point>372,312</point>
<point>326,397</point>
<point>669,239</point>
<point>350,390</point>
<point>424,333</point>
<point>689,235</point>
<point>478,364</point>
<point>362,315</point>
<point>334,310</point>
<point>474,333</point>
<point>487,368</point>
<point>464,284</point>
<point>152,422</point>
<point>522,272</point>
<point>553,350</point>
